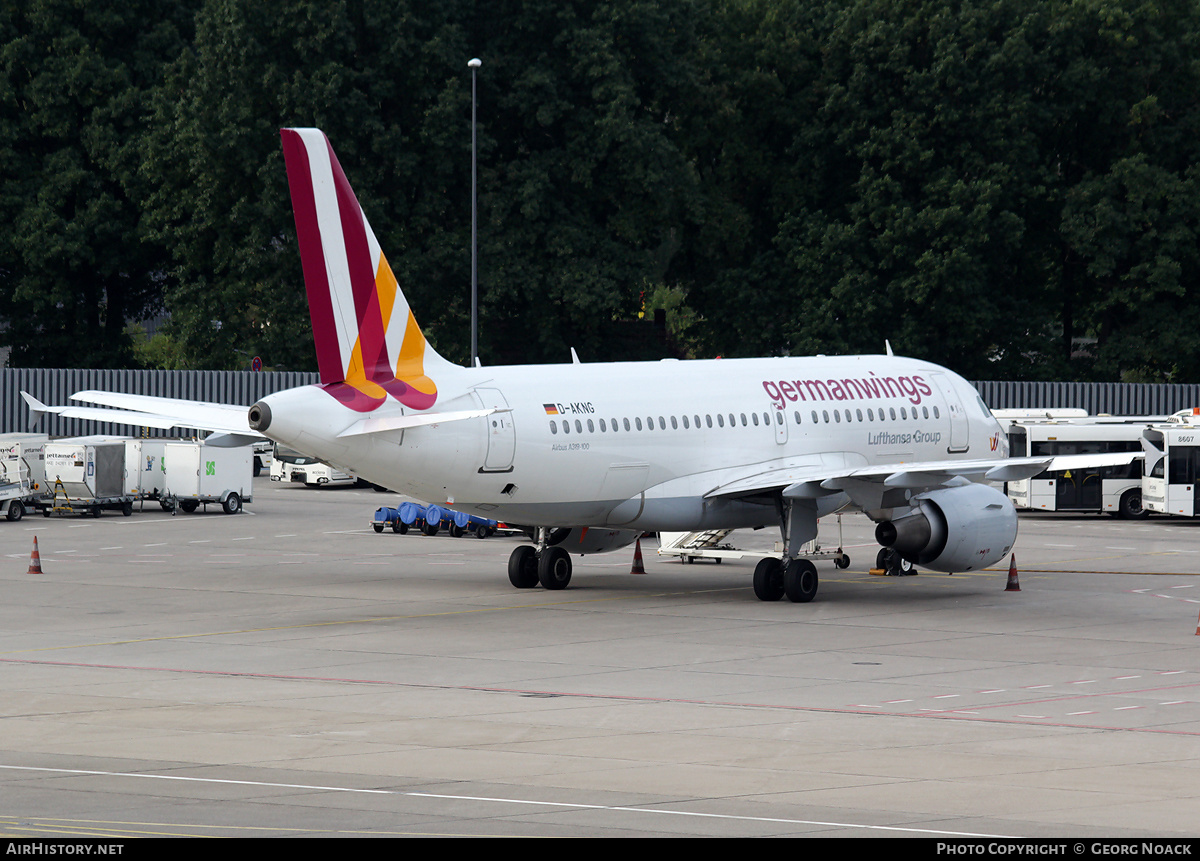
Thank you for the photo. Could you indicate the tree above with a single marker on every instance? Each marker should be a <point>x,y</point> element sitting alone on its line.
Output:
<point>75,261</point>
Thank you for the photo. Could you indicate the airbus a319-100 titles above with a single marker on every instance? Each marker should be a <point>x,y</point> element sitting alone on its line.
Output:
<point>603,452</point>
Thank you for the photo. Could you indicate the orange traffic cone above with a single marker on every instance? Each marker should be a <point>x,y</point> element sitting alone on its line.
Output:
<point>638,567</point>
<point>35,560</point>
<point>1013,584</point>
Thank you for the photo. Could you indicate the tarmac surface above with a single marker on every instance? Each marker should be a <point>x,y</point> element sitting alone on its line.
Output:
<point>287,671</point>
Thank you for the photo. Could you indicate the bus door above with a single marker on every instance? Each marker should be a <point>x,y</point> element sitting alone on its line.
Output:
<point>1183,467</point>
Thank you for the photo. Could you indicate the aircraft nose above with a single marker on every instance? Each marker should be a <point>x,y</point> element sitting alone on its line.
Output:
<point>260,417</point>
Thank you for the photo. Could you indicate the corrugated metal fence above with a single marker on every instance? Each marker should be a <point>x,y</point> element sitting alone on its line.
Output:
<point>55,387</point>
<point>1118,399</point>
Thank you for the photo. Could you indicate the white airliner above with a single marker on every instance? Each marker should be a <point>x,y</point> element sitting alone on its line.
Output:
<point>600,453</point>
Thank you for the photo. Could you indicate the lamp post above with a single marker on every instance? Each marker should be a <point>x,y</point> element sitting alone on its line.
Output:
<point>474,65</point>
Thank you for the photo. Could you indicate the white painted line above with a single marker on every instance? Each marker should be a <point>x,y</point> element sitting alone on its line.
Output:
<point>650,811</point>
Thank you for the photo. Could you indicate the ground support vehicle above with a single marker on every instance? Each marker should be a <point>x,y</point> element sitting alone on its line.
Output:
<point>85,475</point>
<point>290,465</point>
<point>22,473</point>
<point>430,519</point>
<point>201,475</point>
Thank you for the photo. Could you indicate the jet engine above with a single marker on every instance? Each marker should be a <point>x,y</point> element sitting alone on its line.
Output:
<point>953,529</point>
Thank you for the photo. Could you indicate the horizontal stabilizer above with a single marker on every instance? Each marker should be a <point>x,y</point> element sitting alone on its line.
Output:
<point>378,425</point>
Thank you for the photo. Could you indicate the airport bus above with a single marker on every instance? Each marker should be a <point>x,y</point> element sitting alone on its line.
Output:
<point>1112,489</point>
<point>1172,466</point>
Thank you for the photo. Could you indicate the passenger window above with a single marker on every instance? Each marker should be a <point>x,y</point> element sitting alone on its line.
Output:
<point>638,422</point>
<point>720,420</point>
<point>566,426</point>
<point>837,417</point>
<point>553,427</point>
<point>591,427</point>
<point>797,415</point>
<point>674,423</point>
<point>626,423</point>
<point>578,426</point>
<point>662,423</point>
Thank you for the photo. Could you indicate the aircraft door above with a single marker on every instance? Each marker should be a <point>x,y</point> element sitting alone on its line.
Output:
<point>960,430</point>
<point>501,433</point>
<point>781,426</point>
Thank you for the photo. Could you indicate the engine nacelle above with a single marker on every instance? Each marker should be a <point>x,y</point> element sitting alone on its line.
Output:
<point>596,539</point>
<point>953,529</point>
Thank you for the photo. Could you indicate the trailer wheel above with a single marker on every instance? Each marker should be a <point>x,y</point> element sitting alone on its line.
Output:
<point>95,511</point>
<point>189,505</point>
<point>15,510</point>
<point>127,507</point>
<point>232,504</point>
<point>401,527</point>
<point>378,527</point>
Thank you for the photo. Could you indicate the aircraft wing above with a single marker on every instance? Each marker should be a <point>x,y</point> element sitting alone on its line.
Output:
<point>149,411</point>
<point>811,480</point>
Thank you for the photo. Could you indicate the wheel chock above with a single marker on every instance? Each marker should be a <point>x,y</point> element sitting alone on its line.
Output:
<point>878,572</point>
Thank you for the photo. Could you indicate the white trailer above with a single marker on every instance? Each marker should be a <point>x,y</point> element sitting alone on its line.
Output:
<point>199,474</point>
<point>1112,489</point>
<point>85,475</point>
<point>145,468</point>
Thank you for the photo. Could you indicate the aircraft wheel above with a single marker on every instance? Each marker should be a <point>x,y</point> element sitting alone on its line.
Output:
<point>768,579</point>
<point>15,510</point>
<point>523,567</point>
<point>554,568</point>
<point>893,563</point>
<point>378,527</point>
<point>800,581</point>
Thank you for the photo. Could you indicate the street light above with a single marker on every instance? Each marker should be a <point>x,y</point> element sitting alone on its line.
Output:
<point>474,65</point>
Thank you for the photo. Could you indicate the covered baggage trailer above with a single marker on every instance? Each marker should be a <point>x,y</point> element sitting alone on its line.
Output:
<point>85,475</point>
<point>198,474</point>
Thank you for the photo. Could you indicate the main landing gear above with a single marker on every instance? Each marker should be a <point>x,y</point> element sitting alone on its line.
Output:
<point>546,564</point>
<point>791,576</point>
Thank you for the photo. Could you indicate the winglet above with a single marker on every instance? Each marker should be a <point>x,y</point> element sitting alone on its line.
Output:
<point>368,343</point>
<point>37,409</point>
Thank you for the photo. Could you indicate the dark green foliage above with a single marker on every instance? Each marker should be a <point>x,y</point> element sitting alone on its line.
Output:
<point>1004,187</point>
<point>75,261</point>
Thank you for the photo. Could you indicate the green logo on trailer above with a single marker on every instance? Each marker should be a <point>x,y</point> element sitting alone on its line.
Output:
<point>210,467</point>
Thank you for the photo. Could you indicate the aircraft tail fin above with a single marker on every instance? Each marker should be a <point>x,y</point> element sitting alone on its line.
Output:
<point>368,343</point>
